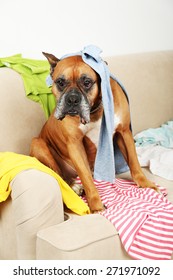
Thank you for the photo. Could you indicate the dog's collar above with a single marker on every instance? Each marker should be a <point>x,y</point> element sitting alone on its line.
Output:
<point>95,109</point>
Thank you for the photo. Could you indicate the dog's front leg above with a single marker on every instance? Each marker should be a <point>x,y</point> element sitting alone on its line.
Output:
<point>40,150</point>
<point>126,144</point>
<point>78,156</point>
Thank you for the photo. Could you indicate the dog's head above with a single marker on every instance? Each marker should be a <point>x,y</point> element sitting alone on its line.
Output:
<point>76,87</point>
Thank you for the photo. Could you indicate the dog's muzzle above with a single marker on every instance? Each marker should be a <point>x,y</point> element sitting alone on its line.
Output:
<point>73,103</point>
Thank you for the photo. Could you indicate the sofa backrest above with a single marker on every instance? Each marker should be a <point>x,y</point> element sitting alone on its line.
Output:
<point>20,118</point>
<point>148,79</point>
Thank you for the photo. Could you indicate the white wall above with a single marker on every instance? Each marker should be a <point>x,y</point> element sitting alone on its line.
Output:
<point>62,26</point>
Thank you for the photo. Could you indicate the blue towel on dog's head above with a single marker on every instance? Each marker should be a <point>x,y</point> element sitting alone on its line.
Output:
<point>109,159</point>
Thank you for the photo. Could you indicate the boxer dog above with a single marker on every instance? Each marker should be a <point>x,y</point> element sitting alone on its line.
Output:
<point>68,141</point>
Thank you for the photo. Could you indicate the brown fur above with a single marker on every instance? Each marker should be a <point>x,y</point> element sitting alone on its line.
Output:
<point>64,147</point>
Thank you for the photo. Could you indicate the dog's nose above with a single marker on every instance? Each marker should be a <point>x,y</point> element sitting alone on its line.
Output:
<point>73,99</point>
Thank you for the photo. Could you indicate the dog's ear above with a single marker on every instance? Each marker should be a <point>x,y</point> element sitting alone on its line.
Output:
<point>52,60</point>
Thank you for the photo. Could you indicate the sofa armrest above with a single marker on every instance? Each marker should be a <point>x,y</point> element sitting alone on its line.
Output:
<point>80,237</point>
<point>37,204</point>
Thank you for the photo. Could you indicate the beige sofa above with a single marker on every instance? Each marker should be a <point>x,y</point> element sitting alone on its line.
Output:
<point>33,224</point>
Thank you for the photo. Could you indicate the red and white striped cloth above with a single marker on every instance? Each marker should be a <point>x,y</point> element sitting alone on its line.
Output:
<point>143,218</point>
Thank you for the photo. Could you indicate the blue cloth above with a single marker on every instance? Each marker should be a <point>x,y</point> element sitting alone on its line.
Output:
<point>162,136</point>
<point>109,159</point>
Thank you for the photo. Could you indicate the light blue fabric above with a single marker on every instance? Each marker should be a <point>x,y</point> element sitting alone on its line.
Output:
<point>162,135</point>
<point>109,159</point>
<point>104,168</point>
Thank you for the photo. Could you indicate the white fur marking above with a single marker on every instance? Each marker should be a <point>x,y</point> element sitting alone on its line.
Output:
<point>92,129</point>
<point>116,121</point>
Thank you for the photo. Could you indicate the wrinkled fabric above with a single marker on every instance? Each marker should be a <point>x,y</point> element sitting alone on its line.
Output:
<point>142,217</point>
<point>34,74</point>
<point>158,159</point>
<point>162,135</point>
<point>11,164</point>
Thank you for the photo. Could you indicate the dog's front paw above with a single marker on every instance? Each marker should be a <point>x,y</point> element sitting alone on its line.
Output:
<point>152,186</point>
<point>143,182</point>
<point>95,204</point>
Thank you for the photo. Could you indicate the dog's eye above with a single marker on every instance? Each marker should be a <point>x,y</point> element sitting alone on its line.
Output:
<point>87,83</point>
<point>61,83</point>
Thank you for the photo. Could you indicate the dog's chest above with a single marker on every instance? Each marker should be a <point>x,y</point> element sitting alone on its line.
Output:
<point>92,129</point>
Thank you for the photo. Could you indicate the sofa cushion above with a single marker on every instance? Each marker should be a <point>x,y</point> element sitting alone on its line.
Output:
<point>21,119</point>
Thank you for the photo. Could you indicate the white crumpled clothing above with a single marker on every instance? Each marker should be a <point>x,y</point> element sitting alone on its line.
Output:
<point>159,160</point>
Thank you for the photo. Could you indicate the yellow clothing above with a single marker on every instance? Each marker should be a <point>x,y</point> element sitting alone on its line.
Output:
<point>11,164</point>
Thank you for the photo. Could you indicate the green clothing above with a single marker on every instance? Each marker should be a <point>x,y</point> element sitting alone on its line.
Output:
<point>34,74</point>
